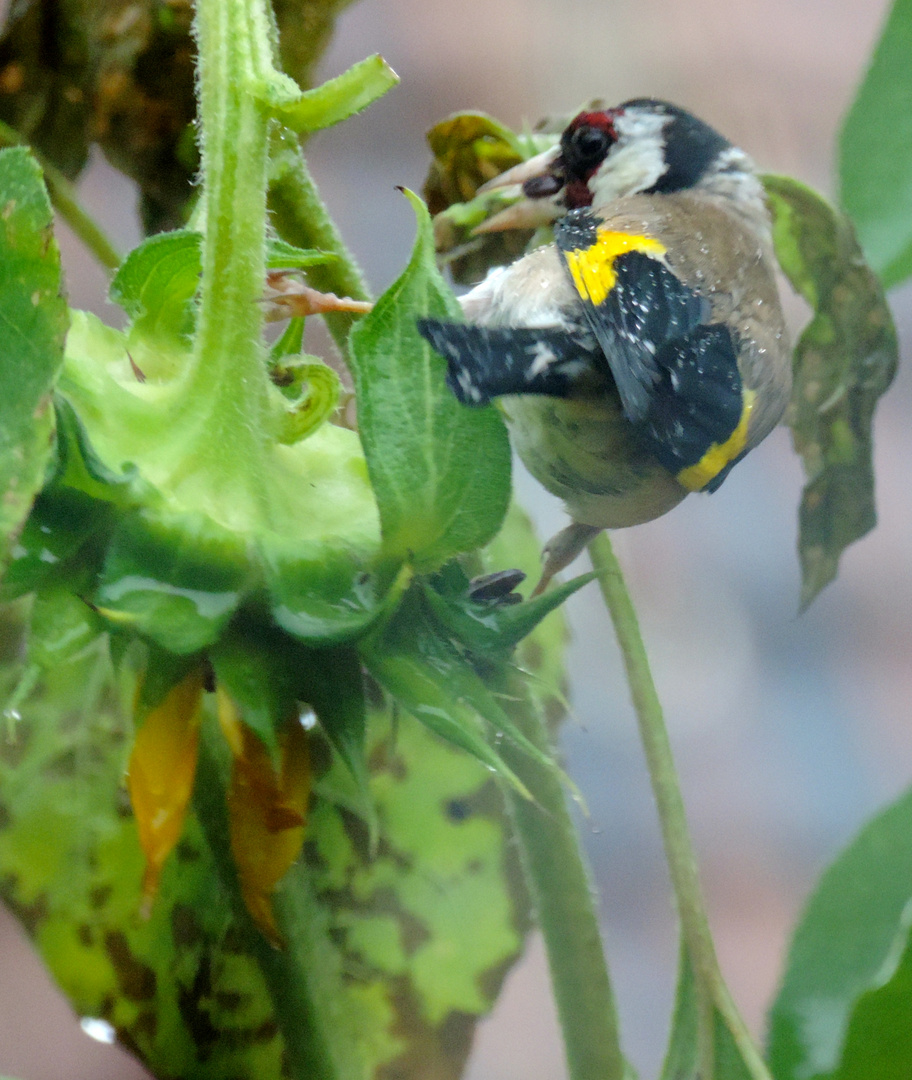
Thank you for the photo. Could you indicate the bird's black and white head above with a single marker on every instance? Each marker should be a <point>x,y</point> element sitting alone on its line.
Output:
<point>643,146</point>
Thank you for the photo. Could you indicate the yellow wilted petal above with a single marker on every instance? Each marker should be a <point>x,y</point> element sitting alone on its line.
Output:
<point>161,772</point>
<point>267,810</point>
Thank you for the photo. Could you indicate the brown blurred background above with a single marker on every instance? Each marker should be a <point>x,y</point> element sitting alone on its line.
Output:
<point>788,731</point>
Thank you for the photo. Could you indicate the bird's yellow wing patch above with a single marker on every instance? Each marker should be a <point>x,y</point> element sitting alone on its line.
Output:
<point>696,477</point>
<point>592,267</point>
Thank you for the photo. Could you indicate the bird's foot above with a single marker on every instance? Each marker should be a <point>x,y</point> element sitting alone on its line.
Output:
<point>562,549</point>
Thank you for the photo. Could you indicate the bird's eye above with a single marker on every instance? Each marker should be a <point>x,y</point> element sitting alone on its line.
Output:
<point>590,145</point>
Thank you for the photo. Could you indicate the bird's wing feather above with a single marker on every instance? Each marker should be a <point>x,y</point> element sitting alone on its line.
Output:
<point>696,423</point>
<point>487,362</point>
<point>677,375</point>
<point>633,304</point>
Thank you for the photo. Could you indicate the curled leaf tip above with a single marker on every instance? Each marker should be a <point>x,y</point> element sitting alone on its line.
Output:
<point>321,390</point>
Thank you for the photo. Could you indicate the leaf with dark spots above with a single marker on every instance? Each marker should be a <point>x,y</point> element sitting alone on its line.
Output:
<point>32,915</point>
<point>185,927</point>
<point>193,1003</point>
<point>137,981</point>
<point>80,897</point>
<point>845,359</point>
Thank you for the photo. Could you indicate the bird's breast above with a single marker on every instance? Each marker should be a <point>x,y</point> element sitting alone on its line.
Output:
<point>582,450</point>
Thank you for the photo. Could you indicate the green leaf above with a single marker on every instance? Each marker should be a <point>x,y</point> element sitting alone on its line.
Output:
<point>281,255</point>
<point>322,595</point>
<point>319,389</point>
<point>290,343</point>
<point>157,283</point>
<point>875,152</point>
<point>78,466</point>
<point>486,627</point>
<point>175,581</point>
<point>161,672</point>
<point>848,961</point>
<point>159,277</point>
<point>71,869</point>
<point>33,322</point>
<point>541,653</point>
<point>440,471</point>
<point>333,685</point>
<point>337,99</point>
<point>441,687</point>
<point>156,286</point>
<point>421,688</point>
<point>254,665</point>
<point>270,677</point>
<point>878,1044</point>
<point>845,359</point>
<point>53,545</point>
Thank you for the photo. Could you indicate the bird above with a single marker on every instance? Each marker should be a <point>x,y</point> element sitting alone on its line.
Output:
<point>643,352</point>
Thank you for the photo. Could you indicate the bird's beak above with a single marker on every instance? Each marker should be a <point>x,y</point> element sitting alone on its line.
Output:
<point>532,169</point>
<point>538,180</point>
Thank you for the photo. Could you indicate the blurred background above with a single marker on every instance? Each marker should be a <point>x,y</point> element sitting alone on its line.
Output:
<point>789,731</point>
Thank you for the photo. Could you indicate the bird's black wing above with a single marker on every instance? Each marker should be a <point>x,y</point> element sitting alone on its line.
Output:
<point>696,421</point>
<point>632,302</point>
<point>486,362</point>
<point>676,373</point>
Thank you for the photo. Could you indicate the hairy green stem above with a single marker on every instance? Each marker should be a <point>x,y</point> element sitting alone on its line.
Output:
<point>285,971</point>
<point>712,993</point>
<point>67,205</point>
<point>563,897</point>
<point>300,217</point>
<point>228,372</point>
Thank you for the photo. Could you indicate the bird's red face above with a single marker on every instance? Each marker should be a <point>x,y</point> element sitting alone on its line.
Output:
<point>558,179</point>
<point>585,143</point>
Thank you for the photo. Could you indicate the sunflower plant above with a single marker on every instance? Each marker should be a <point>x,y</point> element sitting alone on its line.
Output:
<point>277,793</point>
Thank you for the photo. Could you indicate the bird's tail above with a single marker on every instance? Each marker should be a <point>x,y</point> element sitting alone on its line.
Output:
<point>487,362</point>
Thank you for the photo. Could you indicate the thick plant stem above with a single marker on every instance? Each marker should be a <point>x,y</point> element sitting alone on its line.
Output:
<point>712,993</point>
<point>301,218</point>
<point>307,1045</point>
<point>563,898</point>
<point>228,370</point>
